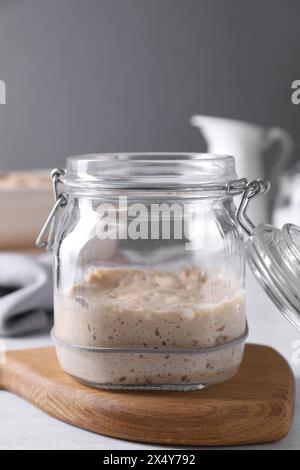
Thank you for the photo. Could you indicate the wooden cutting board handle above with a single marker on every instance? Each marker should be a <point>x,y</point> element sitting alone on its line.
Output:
<point>256,406</point>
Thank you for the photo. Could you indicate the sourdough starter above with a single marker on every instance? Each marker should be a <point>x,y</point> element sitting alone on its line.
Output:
<point>150,310</point>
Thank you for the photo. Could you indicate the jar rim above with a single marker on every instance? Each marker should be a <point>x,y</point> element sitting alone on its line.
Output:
<point>148,156</point>
<point>148,170</point>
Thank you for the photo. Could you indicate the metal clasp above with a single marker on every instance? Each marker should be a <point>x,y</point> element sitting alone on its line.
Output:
<point>252,189</point>
<point>45,238</point>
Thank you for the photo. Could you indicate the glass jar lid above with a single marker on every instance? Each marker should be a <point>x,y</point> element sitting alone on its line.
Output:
<point>274,258</point>
<point>273,255</point>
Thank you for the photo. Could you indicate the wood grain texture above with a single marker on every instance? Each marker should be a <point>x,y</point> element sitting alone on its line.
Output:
<point>256,406</point>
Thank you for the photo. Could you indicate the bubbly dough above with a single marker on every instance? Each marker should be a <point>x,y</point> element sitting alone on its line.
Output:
<point>134,308</point>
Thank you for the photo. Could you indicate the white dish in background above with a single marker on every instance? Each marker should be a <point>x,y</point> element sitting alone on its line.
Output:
<point>26,199</point>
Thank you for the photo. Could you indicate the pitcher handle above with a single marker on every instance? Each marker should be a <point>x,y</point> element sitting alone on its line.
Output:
<point>278,135</point>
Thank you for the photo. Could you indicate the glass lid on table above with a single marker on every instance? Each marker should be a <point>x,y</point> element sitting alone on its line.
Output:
<point>274,256</point>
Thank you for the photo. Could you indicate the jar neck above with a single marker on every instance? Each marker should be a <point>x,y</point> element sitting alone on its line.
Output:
<point>209,190</point>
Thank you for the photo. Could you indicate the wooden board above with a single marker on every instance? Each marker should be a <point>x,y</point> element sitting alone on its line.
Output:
<point>256,406</point>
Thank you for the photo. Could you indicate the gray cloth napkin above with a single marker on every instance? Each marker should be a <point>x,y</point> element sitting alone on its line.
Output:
<point>26,293</point>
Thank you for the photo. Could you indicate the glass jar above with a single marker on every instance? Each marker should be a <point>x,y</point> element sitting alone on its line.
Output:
<point>149,270</point>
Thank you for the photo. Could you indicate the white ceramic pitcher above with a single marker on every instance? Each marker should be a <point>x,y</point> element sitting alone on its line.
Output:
<point>248,143</point>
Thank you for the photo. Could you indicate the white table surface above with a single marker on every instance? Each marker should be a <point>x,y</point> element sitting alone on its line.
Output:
<point>22,426</point>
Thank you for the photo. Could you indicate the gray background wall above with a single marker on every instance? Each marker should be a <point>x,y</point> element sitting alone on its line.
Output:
<point>126,75</point>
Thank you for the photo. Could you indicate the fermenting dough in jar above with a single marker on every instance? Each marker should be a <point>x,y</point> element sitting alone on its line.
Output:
<point>157,311</point>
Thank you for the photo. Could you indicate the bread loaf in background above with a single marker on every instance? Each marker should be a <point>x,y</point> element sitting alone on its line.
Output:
<point>26,199</point>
